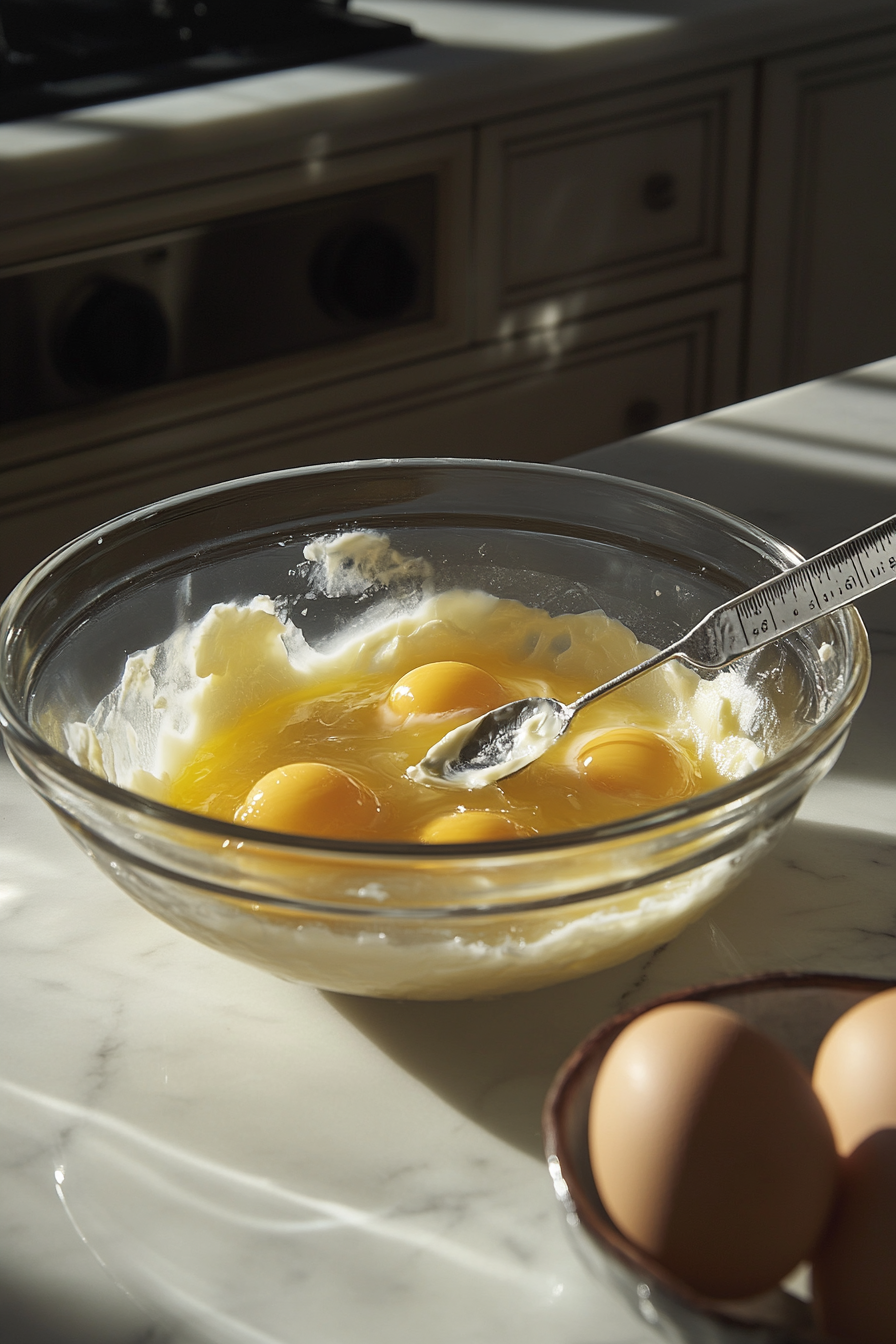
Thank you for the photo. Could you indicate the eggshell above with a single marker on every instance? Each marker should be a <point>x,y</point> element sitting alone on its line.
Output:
<point>710,1150</point>
<point>855,1071</point>
<point>853,1269</point>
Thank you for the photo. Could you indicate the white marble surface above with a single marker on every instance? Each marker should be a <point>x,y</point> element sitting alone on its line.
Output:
<point>478,61</point>
<point>260,1163</point>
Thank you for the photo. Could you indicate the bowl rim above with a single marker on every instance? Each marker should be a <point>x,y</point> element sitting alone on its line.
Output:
<point>561,1164</point>
<point>17,729</point>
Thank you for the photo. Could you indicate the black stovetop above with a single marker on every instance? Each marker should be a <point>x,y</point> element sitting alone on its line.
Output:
<point>56,55</point>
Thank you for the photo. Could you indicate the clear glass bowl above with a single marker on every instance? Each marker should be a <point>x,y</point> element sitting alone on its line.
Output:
<point>410,920</point>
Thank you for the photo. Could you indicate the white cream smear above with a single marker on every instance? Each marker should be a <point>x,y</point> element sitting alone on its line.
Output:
<point>531,739</point>
<point>178,695</point>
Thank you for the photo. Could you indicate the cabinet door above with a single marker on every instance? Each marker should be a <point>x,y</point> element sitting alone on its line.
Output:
<point>612,202</point>
<point>824,280</point>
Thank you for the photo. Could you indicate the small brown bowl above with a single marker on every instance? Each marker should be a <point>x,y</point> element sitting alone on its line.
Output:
<point>795,1009</point>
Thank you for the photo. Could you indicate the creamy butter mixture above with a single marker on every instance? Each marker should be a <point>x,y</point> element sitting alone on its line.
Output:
<point>238,717</point>
<point>531,737</point>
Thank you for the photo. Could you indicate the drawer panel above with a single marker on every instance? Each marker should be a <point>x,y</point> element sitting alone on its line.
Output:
<point>622,200</point>
<point>608,203</point>
<point>559,394</point>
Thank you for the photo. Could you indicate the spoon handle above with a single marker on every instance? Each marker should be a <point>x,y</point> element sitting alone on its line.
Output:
<point>823,584</point>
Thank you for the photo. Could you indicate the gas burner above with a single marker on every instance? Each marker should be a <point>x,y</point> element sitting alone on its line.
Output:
<point>56,55</point>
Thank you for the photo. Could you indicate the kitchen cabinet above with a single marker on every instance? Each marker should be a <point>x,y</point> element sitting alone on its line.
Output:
<point>613,201</point>
<point>823,290</point>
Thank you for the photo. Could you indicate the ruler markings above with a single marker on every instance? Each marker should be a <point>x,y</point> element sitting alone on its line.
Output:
<point>742,626</point>
<point>824,583</point>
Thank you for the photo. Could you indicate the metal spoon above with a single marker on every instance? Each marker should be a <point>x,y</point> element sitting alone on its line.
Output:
<point>509,738</point>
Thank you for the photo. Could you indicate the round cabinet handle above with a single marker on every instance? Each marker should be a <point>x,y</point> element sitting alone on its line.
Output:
<point>117,339</point>
<point>641,415</point>
<point>364,272</point>
<point>659,192</point>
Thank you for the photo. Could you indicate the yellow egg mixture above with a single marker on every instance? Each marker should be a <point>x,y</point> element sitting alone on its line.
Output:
<point>330,759</point>
<point>238,717</point>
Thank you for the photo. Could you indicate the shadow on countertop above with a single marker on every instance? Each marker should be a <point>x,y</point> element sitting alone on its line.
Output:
<point>26,1317</point>
<point>821,901</point>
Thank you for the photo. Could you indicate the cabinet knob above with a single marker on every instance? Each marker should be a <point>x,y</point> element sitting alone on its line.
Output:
<point>117,339</point>
<point>364,272</point>
<point>641,415</point>
<point>659,192</point>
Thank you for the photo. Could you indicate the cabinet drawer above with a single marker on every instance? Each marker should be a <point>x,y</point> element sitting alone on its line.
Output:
<point>621,200</point>
<point>543,396</point>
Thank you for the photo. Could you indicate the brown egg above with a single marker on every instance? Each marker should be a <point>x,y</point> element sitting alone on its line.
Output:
<point>710,1150</point>
<point>855,1077</point>
<point>855,1071</point>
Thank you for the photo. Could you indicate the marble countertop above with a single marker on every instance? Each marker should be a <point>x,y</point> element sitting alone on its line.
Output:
<point>480,59</point>
<point>261,1163</point>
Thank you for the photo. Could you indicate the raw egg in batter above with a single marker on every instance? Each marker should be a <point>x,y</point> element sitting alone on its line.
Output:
<point>446,688</point>
<point>639,764</point>
<point>471,828</point>
<point>310,798</point>
<point>319,741</point>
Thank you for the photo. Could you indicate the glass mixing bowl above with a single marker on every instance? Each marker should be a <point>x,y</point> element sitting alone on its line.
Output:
<point>401,919</point>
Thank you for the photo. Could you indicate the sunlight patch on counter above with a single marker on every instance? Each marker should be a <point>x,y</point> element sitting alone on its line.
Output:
<point>30,139</point>
<point>256,94</point>
<point>854,802</point>
<point>513,27</point>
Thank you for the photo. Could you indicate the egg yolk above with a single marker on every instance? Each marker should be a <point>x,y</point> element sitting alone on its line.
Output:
<point>639,764</point>
<point>446,688</point>
<point>472,827</point>
<point>352,733</point>
<point>308,798</point>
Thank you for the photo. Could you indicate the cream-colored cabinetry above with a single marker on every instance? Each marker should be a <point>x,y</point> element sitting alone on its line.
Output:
<point>613,202</point>
<point>823,292</point>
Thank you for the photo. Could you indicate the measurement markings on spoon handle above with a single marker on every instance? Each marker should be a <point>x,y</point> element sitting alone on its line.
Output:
<point>825,583</point>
